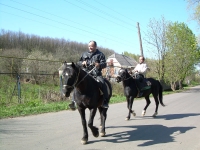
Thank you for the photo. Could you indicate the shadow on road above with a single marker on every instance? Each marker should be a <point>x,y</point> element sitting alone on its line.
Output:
<point>151,134</point>
<point>173,116</point>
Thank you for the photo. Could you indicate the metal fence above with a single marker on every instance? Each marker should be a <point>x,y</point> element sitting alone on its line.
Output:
<point>18,77</point>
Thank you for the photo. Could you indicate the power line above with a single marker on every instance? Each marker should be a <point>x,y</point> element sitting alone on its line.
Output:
<point>59,27</point>
<point>43,23</point>
<point>99,15</point>
<point>62,18</point>
<point>99,10</point>
<point>114,10</point>
<point>29,58</point>
<point>46,18</point>
<point>62,23</point>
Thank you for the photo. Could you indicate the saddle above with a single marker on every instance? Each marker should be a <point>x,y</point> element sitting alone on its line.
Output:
<point>141,82</point>
<point>144,84</point>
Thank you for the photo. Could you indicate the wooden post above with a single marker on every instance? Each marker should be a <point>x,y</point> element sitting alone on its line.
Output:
<point>140,40</point>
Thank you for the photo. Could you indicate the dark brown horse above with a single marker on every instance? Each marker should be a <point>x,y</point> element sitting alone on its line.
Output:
<point>86,94</point>
<point>131,92</point>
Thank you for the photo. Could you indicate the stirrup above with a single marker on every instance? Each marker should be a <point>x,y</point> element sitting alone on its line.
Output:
<point>139,94</point>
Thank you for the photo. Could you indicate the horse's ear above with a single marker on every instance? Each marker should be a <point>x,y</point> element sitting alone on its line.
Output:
<point>73,65</point>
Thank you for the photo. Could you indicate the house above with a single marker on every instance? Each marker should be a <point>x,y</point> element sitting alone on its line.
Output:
<point>117,61</point>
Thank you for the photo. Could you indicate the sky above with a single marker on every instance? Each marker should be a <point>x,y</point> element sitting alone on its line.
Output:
<point>111,23</point>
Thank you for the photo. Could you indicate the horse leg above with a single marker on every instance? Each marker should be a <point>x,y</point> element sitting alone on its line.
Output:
<point>101,117</point>
<point>129,106</point>
<point>85,132</point>
<point>157,104</point>
<point>103,114</point>
<point>95,130</point>
<point>147,104</point>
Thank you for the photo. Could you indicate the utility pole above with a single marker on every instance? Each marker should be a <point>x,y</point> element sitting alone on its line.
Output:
<point>140,40</point>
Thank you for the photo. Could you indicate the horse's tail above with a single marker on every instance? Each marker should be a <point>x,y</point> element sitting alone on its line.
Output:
<point>160,94</point>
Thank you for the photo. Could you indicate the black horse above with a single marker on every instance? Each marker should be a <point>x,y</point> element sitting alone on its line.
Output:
<point>87,94</point>
<point>131,91</point>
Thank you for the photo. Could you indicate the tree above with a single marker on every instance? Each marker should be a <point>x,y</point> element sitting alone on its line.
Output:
<point>9,62</point>
<point>35,64</point>
<point>194,5</point>
<point>182,53</point>
<point>156,41</point>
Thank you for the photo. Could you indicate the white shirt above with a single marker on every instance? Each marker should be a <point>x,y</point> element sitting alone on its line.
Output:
<point>141,68</point>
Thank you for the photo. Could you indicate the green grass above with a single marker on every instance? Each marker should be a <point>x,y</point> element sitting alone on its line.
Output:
<point>34,107</point>
<point>38,107</point>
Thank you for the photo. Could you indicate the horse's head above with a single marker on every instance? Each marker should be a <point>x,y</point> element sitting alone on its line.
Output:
<point>122,75</point>
<point>70,76</point>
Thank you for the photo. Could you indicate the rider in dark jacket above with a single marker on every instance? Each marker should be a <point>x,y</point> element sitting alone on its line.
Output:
<point>90,59</point>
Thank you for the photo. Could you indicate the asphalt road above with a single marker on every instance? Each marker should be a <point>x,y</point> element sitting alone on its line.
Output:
<point>177,127</point>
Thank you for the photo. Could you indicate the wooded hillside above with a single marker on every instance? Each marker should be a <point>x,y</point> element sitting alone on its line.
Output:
<point>61,49</point>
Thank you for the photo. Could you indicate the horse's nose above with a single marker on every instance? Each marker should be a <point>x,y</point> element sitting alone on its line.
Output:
<point>117,79</point>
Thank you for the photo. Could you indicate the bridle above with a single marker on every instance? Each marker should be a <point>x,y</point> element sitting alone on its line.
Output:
<point>75,83</point>
<point>124,77</point>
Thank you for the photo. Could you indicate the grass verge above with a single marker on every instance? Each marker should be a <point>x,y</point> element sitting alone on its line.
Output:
<point>38,107</point>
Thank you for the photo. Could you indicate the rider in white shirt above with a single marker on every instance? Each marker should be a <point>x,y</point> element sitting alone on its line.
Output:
<point>140,73</point>
<point>141,68</point>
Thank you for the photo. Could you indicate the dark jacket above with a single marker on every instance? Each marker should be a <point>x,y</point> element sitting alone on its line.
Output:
<point>91,58</point>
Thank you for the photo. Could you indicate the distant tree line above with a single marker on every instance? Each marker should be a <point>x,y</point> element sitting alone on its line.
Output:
<point>61,49</point>
<point>35,49</point>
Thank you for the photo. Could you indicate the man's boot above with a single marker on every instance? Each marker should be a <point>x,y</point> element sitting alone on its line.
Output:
<point>105,104</point>
<point>140,94</point>
<point>138,83</point>
<point>72,105</point>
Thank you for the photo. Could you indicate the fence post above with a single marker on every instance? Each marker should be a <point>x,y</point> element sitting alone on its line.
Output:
<point>18,88</point>
<point>61,85</point>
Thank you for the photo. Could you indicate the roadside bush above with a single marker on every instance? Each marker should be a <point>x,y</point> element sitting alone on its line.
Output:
<point>117,89</point>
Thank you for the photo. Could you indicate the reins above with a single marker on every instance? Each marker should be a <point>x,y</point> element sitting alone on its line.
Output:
<point>75,83</point>
<point>85,75</point>
<point>128,78</point>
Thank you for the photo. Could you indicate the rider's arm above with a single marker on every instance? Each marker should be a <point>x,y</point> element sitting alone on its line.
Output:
<point>83,58</point>
<point>102,61</point>
<point>140,68</point>
<point>143,68</point>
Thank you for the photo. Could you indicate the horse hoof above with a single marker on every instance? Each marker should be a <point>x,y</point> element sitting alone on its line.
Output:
<point>84,142</point>
<point>97,135</point>
<point>134,114</point>
<point>143,112</point>
<point>155,114</point>
<point>127,118</point>
<point>102,134</point>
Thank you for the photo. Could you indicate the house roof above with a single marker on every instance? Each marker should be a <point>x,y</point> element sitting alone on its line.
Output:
<point>124,60</point>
